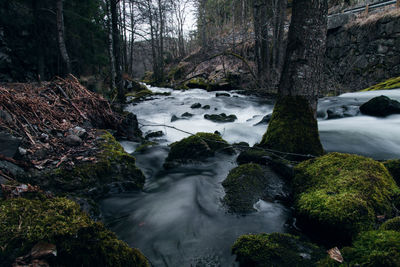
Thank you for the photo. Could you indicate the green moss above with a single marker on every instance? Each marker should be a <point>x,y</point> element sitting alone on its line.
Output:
<point>176,73</point>
<point>79,241</point>
<point>197,83</point>
<point>148,78</point>
<point>143,147</point>
<point>293,128</point>
<point>392,224</point>
<point>275,250</point>
<point>341,194</point>
<point>244,186</point>
<point>393,167</point>
<point>393,83</point>
<point>113,165</point>
<point>374,248</point>
<point>197,147</point>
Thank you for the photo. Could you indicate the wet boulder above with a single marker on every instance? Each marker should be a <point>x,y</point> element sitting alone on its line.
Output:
<point>61,223</point>
<point>247,184</point>
<point>195,106</point>
<point>196,148</point>
<point>187,115</point>
<point>154,134</point>
<point>342,112</point>
<point>222,94</point>
<point>380,106</point>
<point>129,128</point>
<point>265,120</point>
<point>206,107</point>
<point>339,195</point>
<point>220,118</point>
<point>276,249</point>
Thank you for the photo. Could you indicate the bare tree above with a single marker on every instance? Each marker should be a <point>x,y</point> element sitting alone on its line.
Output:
<point>61,35</point>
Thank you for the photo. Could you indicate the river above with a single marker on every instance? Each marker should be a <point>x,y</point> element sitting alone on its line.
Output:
<point>178,219</point>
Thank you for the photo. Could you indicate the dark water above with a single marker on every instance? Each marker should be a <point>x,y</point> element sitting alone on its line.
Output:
<point>179,220</point>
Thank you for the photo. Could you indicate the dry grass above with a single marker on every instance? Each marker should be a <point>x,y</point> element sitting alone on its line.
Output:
<point>372,18</point>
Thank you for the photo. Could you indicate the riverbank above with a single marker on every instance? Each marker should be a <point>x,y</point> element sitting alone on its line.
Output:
<point>57,150</point>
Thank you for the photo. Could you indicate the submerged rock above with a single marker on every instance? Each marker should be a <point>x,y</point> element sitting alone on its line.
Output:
<point>222,94</point>
<point>187,115</point>
<point>340,195</point>
<point>154,134</point>
<point>222,118</point>
<point>196,148</point>
<point>195,106</point>
<point>59,221</point>
<point>265,250</point>
<point>380,106</point>
<point>342,112</point>
<point>206,107</point>
<point>265,120</point>
<point>248,183</point>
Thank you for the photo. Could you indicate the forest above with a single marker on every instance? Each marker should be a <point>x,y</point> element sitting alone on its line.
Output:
<point>200,133</point>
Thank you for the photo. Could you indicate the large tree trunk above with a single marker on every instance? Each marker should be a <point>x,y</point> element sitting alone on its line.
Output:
<point>293,127</point>
<point>117,49</point>
<point>110,48</point>
<point>61,35</point>
<point>302,70</point>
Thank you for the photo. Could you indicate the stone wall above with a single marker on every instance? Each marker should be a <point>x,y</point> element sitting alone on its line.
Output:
<point>360,55</point>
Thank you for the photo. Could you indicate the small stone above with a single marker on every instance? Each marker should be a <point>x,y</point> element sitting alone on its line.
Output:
<point>44,138</point>
<point>22,151</point>
<point>73,140</point>
<point>222,94</point>
<point>206,107</point>
<point>196,105</point>
<point>187,115</point>
<point>154,134</point>
<point>78,131</point>
<point>174,118</point>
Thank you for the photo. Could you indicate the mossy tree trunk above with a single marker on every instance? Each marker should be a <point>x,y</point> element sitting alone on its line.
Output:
<point>293,127</point>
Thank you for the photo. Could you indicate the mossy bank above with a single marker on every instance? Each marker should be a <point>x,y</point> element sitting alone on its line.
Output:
<point>59,221</point>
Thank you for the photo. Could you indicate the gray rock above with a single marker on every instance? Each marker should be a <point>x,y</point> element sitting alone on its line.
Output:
<point>78,131</point>
<point>342,112</point>
<point>73,140</point>
<point>174,118</point>
<point>44,138</point>
<point>221,118</point>
<point>4,115</point>
<point>11,168</point>
<point>22,151</point>
<point>129,128</point>
<point>265,120</point>
<point>9,144</point>
<point>206,107</point>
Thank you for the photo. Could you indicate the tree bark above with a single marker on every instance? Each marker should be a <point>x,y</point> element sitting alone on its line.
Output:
<point>117,49</point>
<point>302,71</point>
<point>293,127</point>
<point>61,35</point>
<point>110,48</point>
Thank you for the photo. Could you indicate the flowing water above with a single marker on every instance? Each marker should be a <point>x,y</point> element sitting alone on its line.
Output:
<point>178,220</point>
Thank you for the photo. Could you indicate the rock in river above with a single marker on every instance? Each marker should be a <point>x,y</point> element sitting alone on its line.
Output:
<point>381,106</point>
<point>220,117</point>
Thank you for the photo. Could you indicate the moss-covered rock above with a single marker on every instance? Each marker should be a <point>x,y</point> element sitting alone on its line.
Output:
<point>113,166</point>
<point>195,83</point>
<point>293,128</point>
<point>339,195</point>
<point>392,224</point>
<point>197,147</point>
<point>275,250</point>
<point>380,106</point>
<point>59,221</point>
<point>220,118</point>
<point>252,155</point>
<point>371,248</point>
<point>393,167</point>
<point>393,83</point>
<point>244,186</point>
